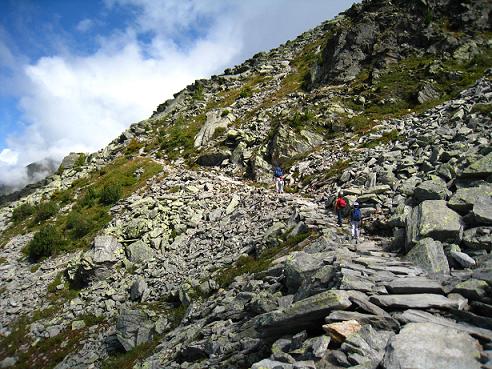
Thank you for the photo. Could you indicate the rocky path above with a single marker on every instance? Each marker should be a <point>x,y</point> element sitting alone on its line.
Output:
<point>330,304</point>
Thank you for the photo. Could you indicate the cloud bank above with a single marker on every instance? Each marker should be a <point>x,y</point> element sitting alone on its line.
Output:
<point>72,101</point>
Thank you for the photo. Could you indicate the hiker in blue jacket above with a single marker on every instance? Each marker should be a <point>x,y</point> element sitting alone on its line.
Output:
<point>278,176</point>
<point>355,221</point>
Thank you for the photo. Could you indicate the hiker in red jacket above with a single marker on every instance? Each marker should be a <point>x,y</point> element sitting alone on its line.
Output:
<point>340,205</point>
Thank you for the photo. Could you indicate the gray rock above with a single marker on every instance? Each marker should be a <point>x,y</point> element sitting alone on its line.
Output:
<point>138,290</point>
<point>133,327</point>
<point>432,218</point>
<point>106,249</point>
<point>213,158</point>
<point>384,322</point>
<point>479,238</point>
<point>464,198</point>
<point>437,347</point>
<point>463,259</point>
<point>97,263</point>
<point>366,347</point>
<point>214,121</point>
<point>138,252</point>
<point>472,288</point>
<point>8,362</point>
<point>481,168</point>
<point>414,301</point>
<point>429,255</point>
<point>301,314</point>
<point>271,364</point>
<point>434,189</point>
<point>482,209</point>
<point>428,93</point>
<point>414,285</point>
<point>300,266</point>
<point>70,160</point>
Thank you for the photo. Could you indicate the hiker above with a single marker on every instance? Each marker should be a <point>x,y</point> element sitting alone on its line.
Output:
<point>278,176</point>
<point>340,205</point>
<point>355,221</point>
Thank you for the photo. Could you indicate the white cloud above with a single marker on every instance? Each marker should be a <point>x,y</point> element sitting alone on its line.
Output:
<point>84,25</point>
<point>80,103</point>
<point>8,157</point>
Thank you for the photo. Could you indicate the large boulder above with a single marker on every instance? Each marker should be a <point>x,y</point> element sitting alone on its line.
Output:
<point>303,314</point>
<point>215,119</point>
<point>138,252</point>
<point>482,209</point>
<point>481,168</point>
<point>133,327</point>
<point>429,255</point>
<point>464,198</point>
<point>97,263</point>
<point>479,238</point>
<point>434,189</point>
<point>71,160</point>
<point>432,218</point>
<point>300,266</point>
<point>213,158</point>
<point>287,143</point>
<point>431,346</point>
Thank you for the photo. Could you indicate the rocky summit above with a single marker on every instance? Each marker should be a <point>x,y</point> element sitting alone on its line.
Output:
<point>170,248</point>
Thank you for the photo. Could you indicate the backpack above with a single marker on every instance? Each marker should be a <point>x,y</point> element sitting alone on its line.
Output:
<point>356,214</point>
<point>278,172</point>
<point>341,202</point>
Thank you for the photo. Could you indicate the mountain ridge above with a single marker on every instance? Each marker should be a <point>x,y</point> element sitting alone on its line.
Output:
<point>169,248</point>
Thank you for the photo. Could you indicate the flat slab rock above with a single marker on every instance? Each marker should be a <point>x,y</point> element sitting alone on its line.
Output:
<point>301,313</point>
<point>413,285</point>
<point>414,301</point>
<point>431,346</point>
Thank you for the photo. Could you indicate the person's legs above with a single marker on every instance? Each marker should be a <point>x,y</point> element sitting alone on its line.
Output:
<point>277,185</point>
<point>281,185</point>
<point>353,229</point>
<point>339,214</point>
<point>357,229</point>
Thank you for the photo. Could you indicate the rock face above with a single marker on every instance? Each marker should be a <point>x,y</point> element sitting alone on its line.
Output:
<point>432,218</point>
<point>133,328</point>
<point>211,268</point>
<point>429,346</point>
<point>97,263</point>
<point>482,168</point>
<point>429,255</point>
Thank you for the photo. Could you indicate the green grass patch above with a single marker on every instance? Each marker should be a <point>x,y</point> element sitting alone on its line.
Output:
<point>96,194</point>
<point>22,212</point>
<point>133,147</point>
<point>3,260</point>
<point>177,140</point>
<point>46,242</point>
<point>485,109</point>
<point>250,264</point>
<point>395,93</point>
<point>44,211</point>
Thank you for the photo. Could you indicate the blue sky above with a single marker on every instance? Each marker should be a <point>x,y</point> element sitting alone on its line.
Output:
<point>74,74</point>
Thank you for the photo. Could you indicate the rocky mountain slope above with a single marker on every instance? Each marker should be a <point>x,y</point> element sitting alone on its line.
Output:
<point>170,249</point>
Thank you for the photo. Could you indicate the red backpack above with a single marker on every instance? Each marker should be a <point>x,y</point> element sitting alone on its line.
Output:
<point>341,203</point>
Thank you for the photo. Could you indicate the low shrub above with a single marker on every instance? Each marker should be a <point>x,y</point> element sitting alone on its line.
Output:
<point>45,243</point>
<point>89,198</point>
<point>45,210</point>
<point>246,92</point>
<point>78,224</point>
<point>110,194</point>
<point>22,212</point>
